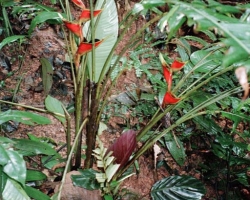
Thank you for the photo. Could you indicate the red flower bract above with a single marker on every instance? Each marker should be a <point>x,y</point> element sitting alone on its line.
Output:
<point>169,98</point>
<point>177,65</point>
<point>168,77</point>
<point>74,28</point>
<point>86,47</point>
<point>86,14</point>
<point>79,3</point>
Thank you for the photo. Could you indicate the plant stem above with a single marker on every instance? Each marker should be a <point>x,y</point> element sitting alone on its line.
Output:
<point>70,157</point>
<point>191,114</point>
<point>32,108</point>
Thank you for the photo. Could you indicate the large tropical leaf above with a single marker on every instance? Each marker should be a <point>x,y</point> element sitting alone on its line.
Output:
<point>107,28</point>
<point>178,188</point>
<point>213,16</point>
<point>15,168</point>
<point>23,117</point>
<point>13,190</point>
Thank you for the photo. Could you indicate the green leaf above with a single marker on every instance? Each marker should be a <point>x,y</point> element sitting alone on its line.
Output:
<point>87,179</point>
<point>54,105</point>
<point>153,3</point>
<point>43,17</point>
<point>23,117</point>
<point>35,193</point>
<point>3,180</point>
<point>30,147</point>
<point>107,28</point>
<point>47,74</point>
<point>108,197</point>
<point>173,20</point>
<point>15,168</point>
<point>205,61</point>
<point>13,190</point>
<point>236,118</point>
<point>178,188</point>
<point>4,156</point>
<point>176,150</point>
<point>10,39</point>
<point>34,175</point>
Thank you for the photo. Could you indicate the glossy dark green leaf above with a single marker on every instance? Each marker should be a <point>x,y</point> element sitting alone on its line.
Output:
<point>15,168</point>
<point>3,180</point>
<point>29,147</point>
<point>23,117</point>
<point>35,193</point>
<point>43,17</point>
<point>47,74</point>
<point>34,175</point>
<point>87,179</point>
<point>176,150</point>
<point>178,188</point>
<point>55,106</point>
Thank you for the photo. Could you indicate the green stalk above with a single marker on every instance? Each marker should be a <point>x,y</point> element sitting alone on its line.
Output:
<point>70,157</point>
<point>32,108</point>
<point>92,25</point>
<point>68,132</point>
<point>191,114</point>
<point>182,81</point>
<point>100,87</point>
<point>206,81</point>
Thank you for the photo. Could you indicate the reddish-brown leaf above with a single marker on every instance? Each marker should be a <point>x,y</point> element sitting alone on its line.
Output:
<point>123,147</point>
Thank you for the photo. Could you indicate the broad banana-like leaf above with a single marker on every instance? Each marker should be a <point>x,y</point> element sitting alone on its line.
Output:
<point>107,28</point>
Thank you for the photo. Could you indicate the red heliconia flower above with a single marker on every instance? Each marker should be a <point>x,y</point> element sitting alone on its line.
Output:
<point>169,98</point>
<point>168,77</point>
<point>79,3</point>
<point>86,47</point>
<point>74,28</point>
<point>177,65</point>
<point>85,15</point>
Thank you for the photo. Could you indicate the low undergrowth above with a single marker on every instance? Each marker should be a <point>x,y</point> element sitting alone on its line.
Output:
<point>192,86</point>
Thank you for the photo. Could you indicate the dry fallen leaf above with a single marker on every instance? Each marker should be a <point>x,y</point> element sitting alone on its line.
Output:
<point>241,74</point>
<point>157,150</point>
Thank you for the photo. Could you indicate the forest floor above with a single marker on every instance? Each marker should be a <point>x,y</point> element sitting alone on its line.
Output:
<point>24,87</point>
